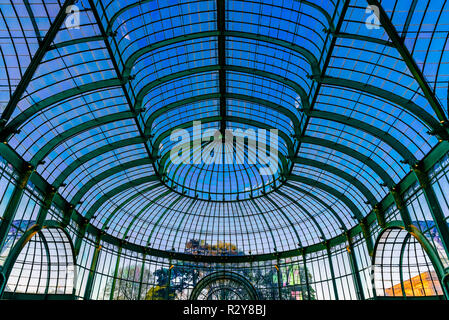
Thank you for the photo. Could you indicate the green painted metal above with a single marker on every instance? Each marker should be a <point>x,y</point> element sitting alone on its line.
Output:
<point>224,275</point>
<point>354,154</point>
<point>278,271</point>
<point>165,161</point>
<point>45,207</point>
<point>84,220</point>
<point>13,204</point>
<point>173,238</point>
<point>380,215</point>
<point>408,105</point>
<point>290,222</point>
<point>413,67</point>
<point>49,146</point>
<point>378,133</point>
<point>409,18</point>
<point>364,38</point>
<point>401,259</point>
<point>47,250</point>
<point>249,122</point>
<point>400,205</point>
<point>149,204</point>
<point>135,183</point>
<point>426,245</point>
<point>270,230</point>
<point>35,61</point>
<point>174,202</point>
<point>331,267</point>
<point>435,209</point>
<point>325,205</point>
<point>15,251</point>
<point>130,62</point>
<point>326,56</point>
<point>364,226</point>
<point>104,34</point>
<point>72,42</point>
<point>355,269</point>
<point>87,186</point>
<point>133,5</point>
<point>432,158</point>
<point>21,243</point>
<point>124,203</point>
<point>33,20</point>
<point>313,183</point>
<point>92,155</point>
<point>216,68</point>
<point>59,97</point>
<point>340,173</point>
<point>92,270</point>
<point>221,28</point>
<point>273,106</point>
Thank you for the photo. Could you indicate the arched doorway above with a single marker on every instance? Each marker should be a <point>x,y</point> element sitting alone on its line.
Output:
<point>402,268</point>
<point>224,285</point>
<point>41,264</point>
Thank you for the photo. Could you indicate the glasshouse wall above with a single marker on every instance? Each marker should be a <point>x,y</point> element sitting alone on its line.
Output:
<point>49,250</point>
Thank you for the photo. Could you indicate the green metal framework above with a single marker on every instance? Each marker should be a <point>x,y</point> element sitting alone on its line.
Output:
<point>86,130</point>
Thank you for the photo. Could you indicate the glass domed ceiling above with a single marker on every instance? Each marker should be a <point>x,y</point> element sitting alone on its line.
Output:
<point>234,166</point>
<point>93,103</point>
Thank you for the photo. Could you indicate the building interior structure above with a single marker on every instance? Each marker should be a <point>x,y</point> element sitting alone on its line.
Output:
<point>93,206</point>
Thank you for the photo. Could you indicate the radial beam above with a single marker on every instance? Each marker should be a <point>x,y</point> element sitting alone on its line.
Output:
<point>308,55</point>
<point>92,155</point>
<point>221,25</point>
<point>216,68</point>
<point>188,124</point>
<point>341,174</point>
<point>58,97</point>
<point>110,194</point>
<point>354,154</point>
<point>363,126</point>
<point>398,41</point>
<point>53,143</point>
<point>408,105</point>
<point>266,103</point>
<point>87,186</point>
<point>35,62</point>
<point>321,202</point>
<point>316,184</point>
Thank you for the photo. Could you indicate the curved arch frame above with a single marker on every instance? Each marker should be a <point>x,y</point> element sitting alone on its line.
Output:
<point>21,243</point>
<point>424,242</point>
<point>224,275</point>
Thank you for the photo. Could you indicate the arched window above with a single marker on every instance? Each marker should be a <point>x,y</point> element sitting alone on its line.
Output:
<point>44,266</point>
<point>402,268</point>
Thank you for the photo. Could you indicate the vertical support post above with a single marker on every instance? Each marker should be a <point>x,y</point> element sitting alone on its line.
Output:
<point>93,268</point>
<point>141,277</point>
<point>2,282</point>
<point>399,201</point>
<point>14,203</point>
<point>434,206</point>
<point>67,216</point>
<point>354,268</point>
<point>114,279</point>
<point>331,266</point>
<point>278,272</point>
<point>167,296</point>
<point>366,235</point>
<point>79,239</point>
<point>46,205</point>
<point>34,64</point>
<point>380,215</point>
<point>306,274</point>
